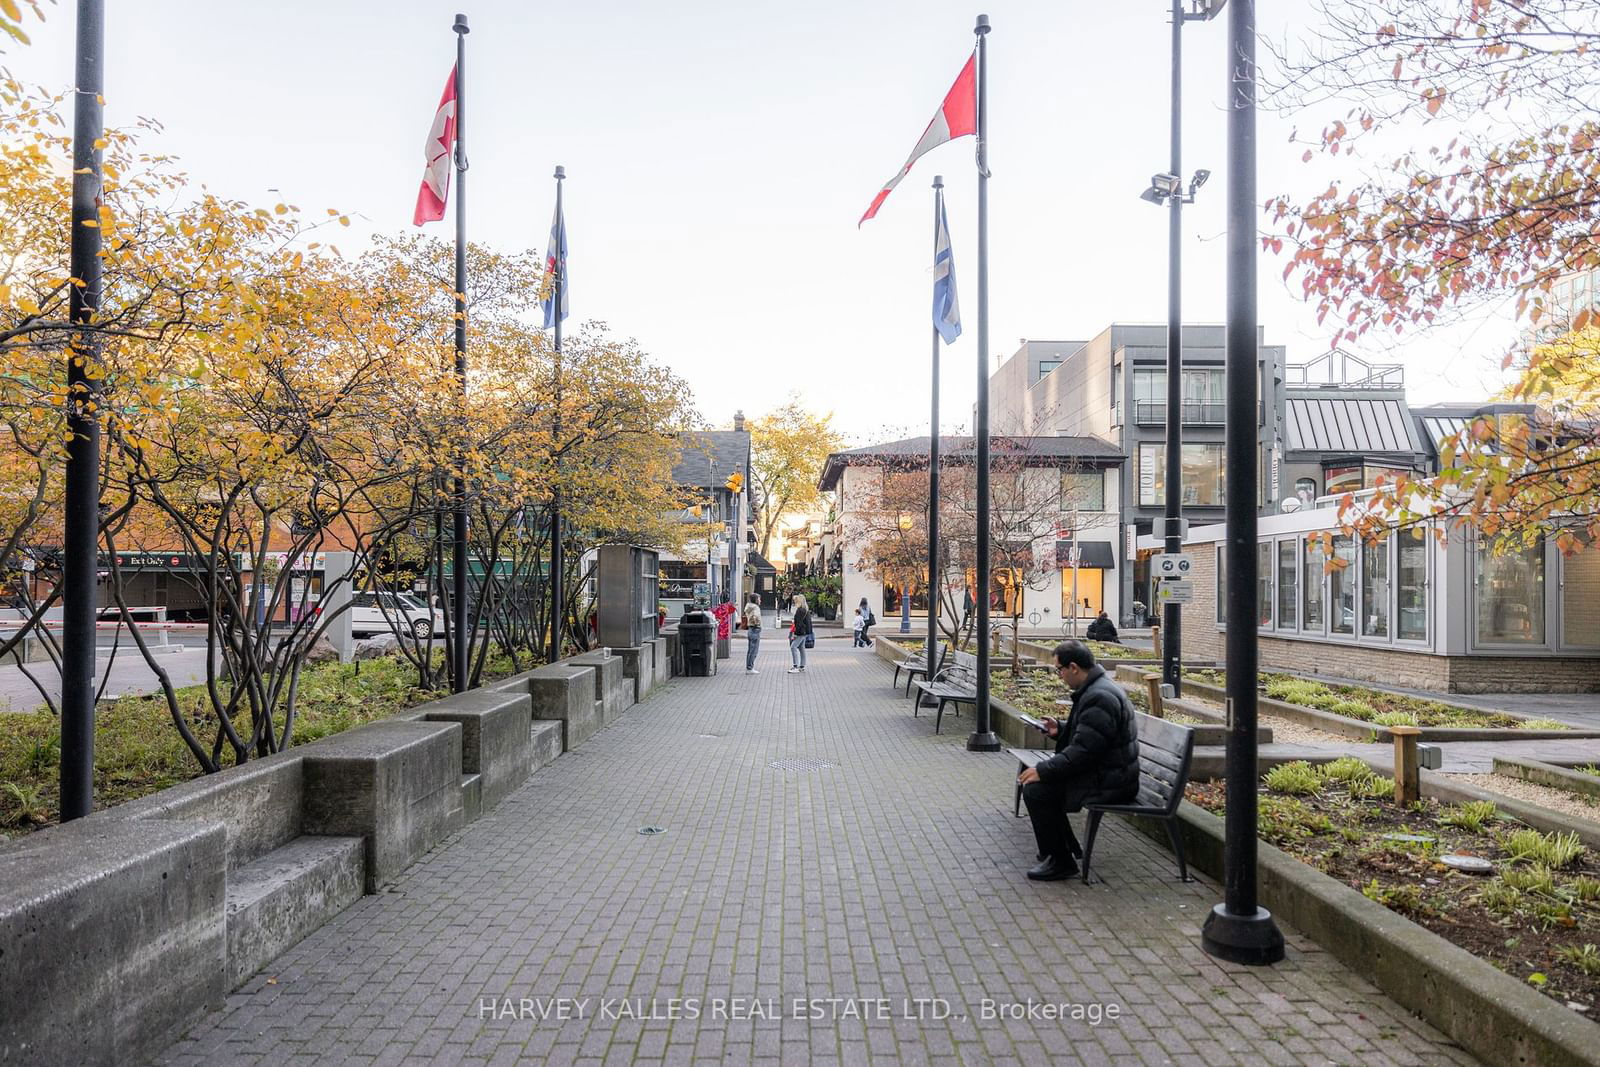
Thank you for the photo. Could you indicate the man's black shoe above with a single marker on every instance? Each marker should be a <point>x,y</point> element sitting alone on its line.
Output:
<point>1052,870</point>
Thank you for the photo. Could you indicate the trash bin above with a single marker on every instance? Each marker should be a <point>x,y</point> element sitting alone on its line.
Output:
<point>697,635</point>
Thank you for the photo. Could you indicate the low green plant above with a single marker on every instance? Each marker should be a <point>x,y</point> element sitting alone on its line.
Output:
<point>1534,879</point>
<point>1552,913</point>
<point>1395,718</point>
<point>1588,768</point>
<point>1554,850</point>
<point>1474,815</point>
<point>1298,779</point>
<point>1501,898</point>
<point>1286,818</point>
<point>1345,769</point>
<point>22,804</point>
<point>1545,724</point>
<point>1372,787</point>
<point>1402,898</point>
<point>1297,691</point>
<point>1353,709</point>
<point>1585,958</point>
<point>1585,889</point>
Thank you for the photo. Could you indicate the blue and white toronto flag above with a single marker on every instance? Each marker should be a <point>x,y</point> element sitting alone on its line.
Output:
<point>555,269</point>
<point>946,309</point>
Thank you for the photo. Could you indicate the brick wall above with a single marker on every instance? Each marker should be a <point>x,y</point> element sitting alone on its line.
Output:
<point>1452,674</point>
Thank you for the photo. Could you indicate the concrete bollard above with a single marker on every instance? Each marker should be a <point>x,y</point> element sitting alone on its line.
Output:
<point>1407,782</point>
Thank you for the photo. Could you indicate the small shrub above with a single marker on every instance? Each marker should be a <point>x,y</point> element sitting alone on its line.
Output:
<point>1396,718</point>
<point>1585,889</point>
<point>1585,958</point>
<point>1554,850</point>
<point>1588,768</point>
<point>1473,815</point>
<point>1544,724</point>
<point>1345,769</point>
<point>1353,709</point>
<point>1372,787</point>
<point>22,804</point>
<point>1297,778</point>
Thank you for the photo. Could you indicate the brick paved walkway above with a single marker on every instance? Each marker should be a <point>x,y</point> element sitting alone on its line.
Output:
<point>895,873</point>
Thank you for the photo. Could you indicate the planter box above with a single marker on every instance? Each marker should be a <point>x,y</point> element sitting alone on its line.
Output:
<point>1491,1014</point>
<point>1359,730</point>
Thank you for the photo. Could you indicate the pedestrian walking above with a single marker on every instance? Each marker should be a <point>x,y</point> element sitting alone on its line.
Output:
<point>799,635</point>
<point>752,633</point>
<point>863,623</point>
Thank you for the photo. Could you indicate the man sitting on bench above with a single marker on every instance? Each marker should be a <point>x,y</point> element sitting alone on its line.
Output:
<point>1096,760</point>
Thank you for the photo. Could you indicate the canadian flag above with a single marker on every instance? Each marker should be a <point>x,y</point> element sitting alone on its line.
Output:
<point>956,117</point>
<point>436,177</point>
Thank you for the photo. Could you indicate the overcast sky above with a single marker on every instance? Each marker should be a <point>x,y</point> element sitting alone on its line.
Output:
<point>719,155</point>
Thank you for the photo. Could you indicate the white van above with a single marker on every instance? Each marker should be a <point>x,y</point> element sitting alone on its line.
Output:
<point>400,613</point>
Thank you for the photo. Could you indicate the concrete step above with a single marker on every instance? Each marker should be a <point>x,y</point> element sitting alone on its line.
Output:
<point>546,741</point>
<point>278,899</point>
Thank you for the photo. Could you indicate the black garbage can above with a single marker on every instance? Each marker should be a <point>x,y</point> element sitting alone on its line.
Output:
<point>697,637</point>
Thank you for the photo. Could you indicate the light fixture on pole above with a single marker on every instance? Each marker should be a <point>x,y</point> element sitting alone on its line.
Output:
<point>1167,189</point>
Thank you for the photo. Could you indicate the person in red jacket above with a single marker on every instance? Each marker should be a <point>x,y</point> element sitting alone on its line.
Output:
<point>724,613</point>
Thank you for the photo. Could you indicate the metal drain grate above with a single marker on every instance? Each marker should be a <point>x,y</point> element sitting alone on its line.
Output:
<point>651,831</point>
<point>800,764</point>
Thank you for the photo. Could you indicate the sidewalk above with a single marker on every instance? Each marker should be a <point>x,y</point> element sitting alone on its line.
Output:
<point>875,874</point>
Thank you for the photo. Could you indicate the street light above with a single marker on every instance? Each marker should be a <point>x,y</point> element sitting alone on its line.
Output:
<point>1167,189</point>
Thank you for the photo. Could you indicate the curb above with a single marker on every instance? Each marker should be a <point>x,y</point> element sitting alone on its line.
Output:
<point>1490,1014</point>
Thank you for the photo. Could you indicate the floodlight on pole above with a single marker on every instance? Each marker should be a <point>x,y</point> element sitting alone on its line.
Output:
<point>1204,10</point>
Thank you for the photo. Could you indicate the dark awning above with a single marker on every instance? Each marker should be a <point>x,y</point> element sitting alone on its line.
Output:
<point>1090,554</point>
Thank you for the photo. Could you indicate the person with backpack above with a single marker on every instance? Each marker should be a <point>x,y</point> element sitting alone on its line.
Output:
<point>751,619</point>
<point>799,635</point>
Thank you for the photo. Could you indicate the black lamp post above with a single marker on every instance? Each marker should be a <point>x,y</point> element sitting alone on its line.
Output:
<point>1168,188</point>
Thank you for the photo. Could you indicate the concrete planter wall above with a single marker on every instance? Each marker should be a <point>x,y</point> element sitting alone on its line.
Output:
<point>1359,730</point>
<point>119,930</point>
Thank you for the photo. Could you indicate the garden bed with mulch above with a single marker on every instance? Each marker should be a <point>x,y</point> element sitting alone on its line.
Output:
<point>1536,916</point>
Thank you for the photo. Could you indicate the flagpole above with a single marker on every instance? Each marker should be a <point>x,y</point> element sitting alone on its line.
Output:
<point>464,626</point>
<point>983,738</point>
<point>557,554</point>
<point>933,456</point>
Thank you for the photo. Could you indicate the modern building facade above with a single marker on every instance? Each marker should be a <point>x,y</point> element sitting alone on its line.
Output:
<point>1113,388</point>
<point>1436,606</point>
<point>1065,526</point>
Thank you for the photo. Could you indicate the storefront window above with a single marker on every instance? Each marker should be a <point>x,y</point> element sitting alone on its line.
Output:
<point>1411,570</point>
<point>1091,580</point>
<point>1342,587</point>
<point>1204,474</point>
<point>1510,593</point>
<point>1375,589</point>
<point>1264,584</point>
<point>1342,479</point>
<point>1288,587</point>
<point>1580,598</point>
<point>1311,575</point>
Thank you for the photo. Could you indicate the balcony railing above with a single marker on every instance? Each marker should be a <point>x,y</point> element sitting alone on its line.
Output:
<point>1194,412</point>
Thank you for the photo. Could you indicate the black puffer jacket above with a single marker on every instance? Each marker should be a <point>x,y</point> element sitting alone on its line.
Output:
<point>1097,753</point>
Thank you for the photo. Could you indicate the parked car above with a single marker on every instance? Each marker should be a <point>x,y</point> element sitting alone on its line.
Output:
<point>376,613</point>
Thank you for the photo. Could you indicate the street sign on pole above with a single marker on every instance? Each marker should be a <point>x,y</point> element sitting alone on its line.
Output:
<point>1175,591</point>
<point>1171,565</point>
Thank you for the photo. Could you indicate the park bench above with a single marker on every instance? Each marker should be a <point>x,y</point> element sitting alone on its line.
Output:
<point>917,666</point>
<point>957,684</point>
<point>1165,752</point>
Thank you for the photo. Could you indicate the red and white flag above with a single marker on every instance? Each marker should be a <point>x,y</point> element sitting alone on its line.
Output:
<point>441,140</point>
<point>956,117</point>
